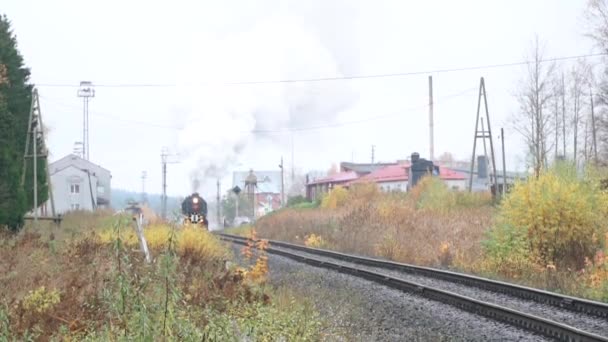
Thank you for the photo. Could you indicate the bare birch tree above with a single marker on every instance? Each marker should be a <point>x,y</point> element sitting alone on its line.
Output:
<point>579,85</point>
<point>534,120</point>
<point>597,18</point>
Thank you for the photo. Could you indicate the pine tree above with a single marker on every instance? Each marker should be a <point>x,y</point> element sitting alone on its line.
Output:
<point>15,102</point>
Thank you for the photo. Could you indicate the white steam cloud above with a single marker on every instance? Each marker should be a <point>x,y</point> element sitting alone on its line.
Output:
<point>220,119</point>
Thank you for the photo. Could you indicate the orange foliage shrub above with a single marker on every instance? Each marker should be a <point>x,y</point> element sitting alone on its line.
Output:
<point>258,271</point>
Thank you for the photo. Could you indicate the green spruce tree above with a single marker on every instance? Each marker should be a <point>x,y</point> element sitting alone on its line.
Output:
<point>15,102</point>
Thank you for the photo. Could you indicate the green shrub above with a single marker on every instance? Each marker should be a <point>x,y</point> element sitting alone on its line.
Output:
<point>306,205</point>
<point>295,200</point>
<point>507,251</point>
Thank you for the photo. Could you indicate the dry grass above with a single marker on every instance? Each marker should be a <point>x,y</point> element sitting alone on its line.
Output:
<point>432,226</point>
<point>73,226</point>
<point>69,283</point>
<point>29,261</point>
<point>187,240</point>
<point>388,226</point>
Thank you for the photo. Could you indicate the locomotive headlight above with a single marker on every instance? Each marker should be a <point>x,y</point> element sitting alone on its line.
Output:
<point>195,200</point>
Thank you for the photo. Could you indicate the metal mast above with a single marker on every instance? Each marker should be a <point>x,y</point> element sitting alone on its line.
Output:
<point>35,136</point>
<point>86,91</point>
<point>483,134</point>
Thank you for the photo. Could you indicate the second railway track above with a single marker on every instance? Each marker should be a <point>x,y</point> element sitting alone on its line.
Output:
<point>549,314</point>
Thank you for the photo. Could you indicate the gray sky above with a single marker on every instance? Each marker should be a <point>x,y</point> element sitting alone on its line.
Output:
<point>196,47</point>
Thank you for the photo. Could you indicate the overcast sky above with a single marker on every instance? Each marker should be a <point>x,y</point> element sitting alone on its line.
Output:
<point>190,50</point>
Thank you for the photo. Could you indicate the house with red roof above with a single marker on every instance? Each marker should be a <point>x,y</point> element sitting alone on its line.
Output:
<point>388,177</point>
<point>315,189</point>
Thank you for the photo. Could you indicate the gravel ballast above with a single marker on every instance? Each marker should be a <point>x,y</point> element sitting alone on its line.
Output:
<point>581,321</point>
<point>360,310</point>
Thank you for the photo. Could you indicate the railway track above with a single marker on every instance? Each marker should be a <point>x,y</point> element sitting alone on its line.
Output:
<point>549,314</point>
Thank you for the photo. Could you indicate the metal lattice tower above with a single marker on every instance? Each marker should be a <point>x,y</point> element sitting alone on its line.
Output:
<point>482,134</point>
<point>86,91</point>
<point>35,149</point>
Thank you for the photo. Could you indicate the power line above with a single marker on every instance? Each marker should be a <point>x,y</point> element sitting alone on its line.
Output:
<point>112,117</point>
<point>374,118</point>
<point>333,78</point>
<point>278,131</point>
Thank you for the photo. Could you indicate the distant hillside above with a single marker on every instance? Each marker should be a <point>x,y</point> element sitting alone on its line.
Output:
<point>120,198</point>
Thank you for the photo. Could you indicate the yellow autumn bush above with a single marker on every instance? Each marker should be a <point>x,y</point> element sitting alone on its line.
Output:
<point>365,192</point>
<point>258,271</point>
<point>558,219</point>
<point>315,241</point>
<point>336,198</point>
<point>41,300</point>
<point>188,240</point>
<point>432,193</point>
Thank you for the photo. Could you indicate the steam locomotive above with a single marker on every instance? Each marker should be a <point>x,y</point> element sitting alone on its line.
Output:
<point>194,210</point>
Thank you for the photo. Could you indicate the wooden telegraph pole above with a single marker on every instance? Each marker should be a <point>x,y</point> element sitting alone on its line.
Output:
<point>219,205</point>
<point>282,184</point>
<point>431,125</point>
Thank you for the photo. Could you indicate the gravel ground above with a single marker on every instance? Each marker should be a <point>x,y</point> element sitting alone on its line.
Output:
<point>578,320</point>
<point>361,310</point>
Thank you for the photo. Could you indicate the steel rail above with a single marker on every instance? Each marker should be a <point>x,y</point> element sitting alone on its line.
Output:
<point>574,304</point>
<point>539,325</point>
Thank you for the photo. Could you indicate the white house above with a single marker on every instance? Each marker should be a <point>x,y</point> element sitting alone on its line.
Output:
<point>79,184</point>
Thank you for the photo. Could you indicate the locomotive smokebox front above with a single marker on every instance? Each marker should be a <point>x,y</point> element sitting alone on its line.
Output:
<point>419,168</point>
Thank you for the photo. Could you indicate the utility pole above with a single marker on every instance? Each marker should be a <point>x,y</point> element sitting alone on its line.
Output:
<point>483,134</point>
<point>164,155</point>
<point>593,128</point>
<point>373,153</point>
<point>504,164</point>
<point>143,186</point>
<point>236,211</point>
<point>485,150</point>
<point>86,91</point>
<point>35,134</point>
<point>219,205</point>
<point>293,163</point>
<point>563,94</point>
<point>282,184</point>
<point>35,167</point>
<point>431,133</point>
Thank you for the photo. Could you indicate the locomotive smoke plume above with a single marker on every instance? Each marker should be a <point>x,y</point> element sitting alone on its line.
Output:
<point>223,121</point>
